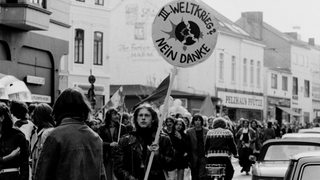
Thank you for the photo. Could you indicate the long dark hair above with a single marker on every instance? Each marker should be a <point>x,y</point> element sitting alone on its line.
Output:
<point>197,117</point>
<point>71,103</point>
<point>108,117</point>
<point>153,113</point>
<point>42,116</point>
<point>183,124</point>
<point>7,121</point>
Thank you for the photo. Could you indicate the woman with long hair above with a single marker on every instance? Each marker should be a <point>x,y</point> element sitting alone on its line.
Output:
<point>42,118</point>
<point>246,136</point>
<point>73,150</point>
<point>14,153</point>
<point>109,134</point>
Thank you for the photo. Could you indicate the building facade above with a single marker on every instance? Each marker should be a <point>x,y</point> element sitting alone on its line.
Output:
<point>89,49</point>
<point>285,51</point>
<point>33,40</point>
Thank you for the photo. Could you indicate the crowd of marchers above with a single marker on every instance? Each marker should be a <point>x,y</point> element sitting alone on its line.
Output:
<point>41,142</point>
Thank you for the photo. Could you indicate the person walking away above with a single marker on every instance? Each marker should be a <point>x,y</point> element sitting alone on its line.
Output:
<point>14,152</point>
<point>219,147</point>
<point>132,154</point>
<point>195,147</point>
<point>269,132</point>
<point>72,151</point>
<point>20,116</point>
<point>109,134</point>
<point>42,118</point>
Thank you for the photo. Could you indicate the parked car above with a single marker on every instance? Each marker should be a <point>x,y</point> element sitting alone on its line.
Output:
<point>275,155</point>
<point>301,135</point>
<point>304,166</point>
<point>311,130</point>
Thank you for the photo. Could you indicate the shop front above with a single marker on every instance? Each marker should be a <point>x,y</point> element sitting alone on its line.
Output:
<point>240,105</point>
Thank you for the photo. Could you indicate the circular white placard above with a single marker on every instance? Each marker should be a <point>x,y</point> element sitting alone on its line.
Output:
<point>184,32</point>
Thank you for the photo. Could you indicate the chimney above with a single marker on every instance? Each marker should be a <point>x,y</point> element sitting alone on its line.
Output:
<point>311,41</point>
<point>252,22</point>
<point>293,35</point>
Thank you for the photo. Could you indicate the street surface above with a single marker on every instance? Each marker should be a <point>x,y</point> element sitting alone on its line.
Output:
<point>237,175</point>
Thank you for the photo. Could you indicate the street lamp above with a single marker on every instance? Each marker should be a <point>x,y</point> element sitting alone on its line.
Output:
<point>91,93</point>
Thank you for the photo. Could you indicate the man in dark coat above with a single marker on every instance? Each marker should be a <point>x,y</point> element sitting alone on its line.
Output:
<point>196,137</point>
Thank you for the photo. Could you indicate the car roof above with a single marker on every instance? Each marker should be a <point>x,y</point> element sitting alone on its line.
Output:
<point>311,130</point>
<point>306,154</point>
<point>301,135</point>
<point>291,140</point>
<point>287,141</point>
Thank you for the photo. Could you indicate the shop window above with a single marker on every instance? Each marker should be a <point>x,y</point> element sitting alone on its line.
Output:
<point>79,46</point>
<point>98,48</point>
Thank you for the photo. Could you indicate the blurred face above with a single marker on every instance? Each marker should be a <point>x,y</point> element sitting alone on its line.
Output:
<point>197,123</point>
<point>169,123</point>
<point>115,116</point>
<point>144,118</point>
<point>178,126</point>
<point>246,124</point>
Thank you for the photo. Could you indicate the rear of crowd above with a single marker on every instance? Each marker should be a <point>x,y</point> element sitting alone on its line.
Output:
<point>66,141</point>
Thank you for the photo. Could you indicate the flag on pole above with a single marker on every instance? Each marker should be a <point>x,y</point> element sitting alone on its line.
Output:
<point>207,107</point>
<point>117,99</point>
<point>158,93</point>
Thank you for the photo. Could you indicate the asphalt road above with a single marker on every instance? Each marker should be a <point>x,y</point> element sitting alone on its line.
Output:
<point>237,175</point>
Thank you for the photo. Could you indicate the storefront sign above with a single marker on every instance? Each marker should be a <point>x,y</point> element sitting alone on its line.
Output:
<point>35,80</point>
<point>184,32</point>
<point>40,98</point>
<point>244,101</point>
<point>278,101</point>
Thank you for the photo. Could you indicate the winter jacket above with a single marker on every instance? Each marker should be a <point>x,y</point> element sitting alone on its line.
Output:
<point>131,160</point>
<point>72,151</point>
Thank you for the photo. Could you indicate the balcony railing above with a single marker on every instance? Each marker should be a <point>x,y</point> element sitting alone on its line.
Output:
<point>25,14</point>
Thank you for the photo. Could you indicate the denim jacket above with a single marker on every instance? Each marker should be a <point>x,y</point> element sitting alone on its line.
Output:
<point>72,151</point>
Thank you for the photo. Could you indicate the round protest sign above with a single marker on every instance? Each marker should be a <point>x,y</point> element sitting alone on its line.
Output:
<point>184,32</point>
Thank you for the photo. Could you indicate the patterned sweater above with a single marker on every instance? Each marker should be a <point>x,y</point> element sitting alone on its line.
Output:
<point>220,142</point>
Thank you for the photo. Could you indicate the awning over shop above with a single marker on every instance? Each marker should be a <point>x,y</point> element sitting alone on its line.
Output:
<point>289,111</point>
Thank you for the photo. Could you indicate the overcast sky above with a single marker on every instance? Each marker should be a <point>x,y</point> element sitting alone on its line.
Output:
<point>284,15</point>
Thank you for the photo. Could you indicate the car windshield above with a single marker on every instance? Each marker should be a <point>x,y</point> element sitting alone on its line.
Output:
<point>283,152</point>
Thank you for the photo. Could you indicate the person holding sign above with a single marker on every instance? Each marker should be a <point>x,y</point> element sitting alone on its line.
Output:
<point>132,153</point>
